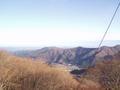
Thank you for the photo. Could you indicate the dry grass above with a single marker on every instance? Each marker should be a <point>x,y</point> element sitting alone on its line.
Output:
<point>87,84</point>
<point>25,74</point>
<point>107,73</point>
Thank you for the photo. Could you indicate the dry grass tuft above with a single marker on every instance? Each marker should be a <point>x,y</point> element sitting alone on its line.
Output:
<point>107,73</point>
<point>21,74</point>
<point>24,74</point>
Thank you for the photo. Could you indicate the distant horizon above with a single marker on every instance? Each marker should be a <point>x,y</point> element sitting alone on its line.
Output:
<point>91,45</point>
<point>56,22</point>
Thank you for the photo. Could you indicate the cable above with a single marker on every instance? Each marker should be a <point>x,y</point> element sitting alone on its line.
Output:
<point>109,25</point>
<point>98,49</point>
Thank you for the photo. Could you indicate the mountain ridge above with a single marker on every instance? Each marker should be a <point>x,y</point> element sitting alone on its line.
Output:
<point>79,56</point>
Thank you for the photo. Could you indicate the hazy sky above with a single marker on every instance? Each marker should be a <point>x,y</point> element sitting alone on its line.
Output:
<point>56,22</point>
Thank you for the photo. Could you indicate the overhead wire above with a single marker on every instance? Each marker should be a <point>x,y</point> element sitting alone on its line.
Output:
<point>109,25</point>
<point>106,31</point>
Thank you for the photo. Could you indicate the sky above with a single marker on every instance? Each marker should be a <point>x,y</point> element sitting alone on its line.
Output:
<point>38,23</point>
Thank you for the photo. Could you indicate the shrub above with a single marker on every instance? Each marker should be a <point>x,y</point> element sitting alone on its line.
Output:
<point>107,73</point>
<point>23,74</point>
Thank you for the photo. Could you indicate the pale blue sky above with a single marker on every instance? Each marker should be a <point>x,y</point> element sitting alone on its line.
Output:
<point>56,22</point>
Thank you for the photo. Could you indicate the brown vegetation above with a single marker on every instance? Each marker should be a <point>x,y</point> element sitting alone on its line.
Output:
<point>25,74</point>
<point>107,73</point>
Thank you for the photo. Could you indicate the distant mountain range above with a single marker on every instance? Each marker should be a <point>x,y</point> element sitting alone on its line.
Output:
<point>79,56</point>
